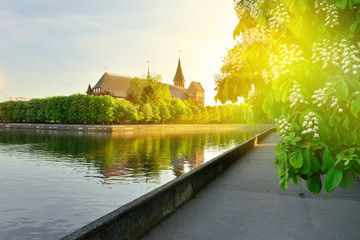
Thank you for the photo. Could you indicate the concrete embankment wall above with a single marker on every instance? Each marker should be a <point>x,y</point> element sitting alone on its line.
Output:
<point>128,128</point>
<point>136,218</point>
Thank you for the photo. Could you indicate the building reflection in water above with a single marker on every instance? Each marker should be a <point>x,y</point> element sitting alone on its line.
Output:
<point>120,158</point>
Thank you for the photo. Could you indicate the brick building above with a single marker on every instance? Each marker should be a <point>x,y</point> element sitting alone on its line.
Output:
<point>117,86</point>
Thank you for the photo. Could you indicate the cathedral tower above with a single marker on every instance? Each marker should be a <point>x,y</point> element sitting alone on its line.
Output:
<point>179,79</point>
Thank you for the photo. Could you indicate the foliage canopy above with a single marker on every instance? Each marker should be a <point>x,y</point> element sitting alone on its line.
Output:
<point>108,110</point>
<point>298,62</point>
<point>148,90</point>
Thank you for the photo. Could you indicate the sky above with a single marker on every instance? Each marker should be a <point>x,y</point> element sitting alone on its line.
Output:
<point>57,48</point>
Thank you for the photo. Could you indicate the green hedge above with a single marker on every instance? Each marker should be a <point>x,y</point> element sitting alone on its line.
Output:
<point>91,109</point>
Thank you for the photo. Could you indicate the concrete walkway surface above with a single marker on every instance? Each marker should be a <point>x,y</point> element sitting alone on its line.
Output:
<point>246,202</point>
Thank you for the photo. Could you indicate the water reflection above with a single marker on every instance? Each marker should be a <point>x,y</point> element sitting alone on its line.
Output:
<point>123,157</point>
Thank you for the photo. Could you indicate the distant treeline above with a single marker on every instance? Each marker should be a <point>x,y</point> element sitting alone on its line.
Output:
<point>90,109</point>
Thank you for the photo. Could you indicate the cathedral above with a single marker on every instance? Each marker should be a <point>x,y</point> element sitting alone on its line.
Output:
<point>117,86</point>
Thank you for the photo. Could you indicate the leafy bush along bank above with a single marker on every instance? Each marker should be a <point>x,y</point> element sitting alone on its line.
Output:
<point>107,110</point>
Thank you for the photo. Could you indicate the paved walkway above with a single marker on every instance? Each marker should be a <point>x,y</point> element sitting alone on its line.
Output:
<point>247,203</point>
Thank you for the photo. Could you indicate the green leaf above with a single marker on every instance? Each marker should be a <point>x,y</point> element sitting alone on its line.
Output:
<point>335,136</point>
<point>314,183</point>
<point>355,106</point>
<point>315,164</point>
<point>283,184</point>
<point>307,158</point>
<point>353,27</point>
<point>351,4</point>
<point>278,148</point>
<point>332,121</point>
<point>295,180</point>
<point>328,161</point>
<point>341,3</point>
<point>268,104</point>
<point>282,156</point>
<point>342,90</point>
<point>302,5</point>
<point>346,123</point>
<point>293,142</point>
<point>237,29</point>
<point>291,5</point>
<point>348,179</point>
<point>276,162</point>
<point>292,136</point>
<point>281,172</point>
<point>357,161</point>
<point>297,160</point>
<point>333,179</point>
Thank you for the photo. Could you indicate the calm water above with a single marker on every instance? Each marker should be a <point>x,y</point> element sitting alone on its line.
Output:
<point>54,183</point>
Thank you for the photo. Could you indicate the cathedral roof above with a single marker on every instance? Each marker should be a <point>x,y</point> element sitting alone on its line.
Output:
<point>89,90</point>
<point>117,85</point>
<point>197,86</point>
<point>178,92</point>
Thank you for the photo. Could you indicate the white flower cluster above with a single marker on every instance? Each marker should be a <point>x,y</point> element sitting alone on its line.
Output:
<point>284,126</point>
<point>256,35</point>
<point>322,95</point>
<point>252,93</point>
<point>259,34</point>
<point>331,11</point>
<point>355,94</point>
<point>280,64</point>
<point>249,6</point>
<point>311,125</point>
<point>279,17</point>
<point>235,61</point>
<point>340,54</point>
<point>267,76</point>
<point>295,96</point>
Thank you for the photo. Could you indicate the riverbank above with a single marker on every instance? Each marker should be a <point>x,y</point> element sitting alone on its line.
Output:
<point>129,128</point>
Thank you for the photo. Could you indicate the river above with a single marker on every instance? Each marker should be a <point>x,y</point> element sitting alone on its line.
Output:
<point>53,182</point>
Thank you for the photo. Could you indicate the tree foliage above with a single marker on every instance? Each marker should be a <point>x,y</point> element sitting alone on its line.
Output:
<point>148,90</point>
<point>104,109</point>
<point>298,62</point>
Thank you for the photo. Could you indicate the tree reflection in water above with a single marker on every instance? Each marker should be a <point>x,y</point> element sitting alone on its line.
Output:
<point>123,157</point>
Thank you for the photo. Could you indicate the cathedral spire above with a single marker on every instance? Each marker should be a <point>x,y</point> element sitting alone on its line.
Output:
<point>179,79</point>
<point>89,90</point>
<point>148,75</point>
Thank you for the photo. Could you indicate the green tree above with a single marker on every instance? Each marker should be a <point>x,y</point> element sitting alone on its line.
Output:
<point>155,92</point>
<point>204,114</point>
<point>214,114</point>
<point>107,109</point>
<point>156,113</point>
<point>147,112</point>
<point>125,110</point>
<point>298,62</point>
<point>56,109</point>
<point>178,110</point>
<point>189,113</point>
<point>164,112</point>
<point>31,111</point>
<point>135,91</point>
<point>2,112</point>
<point>197,118</point>
<point>148,90</point>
